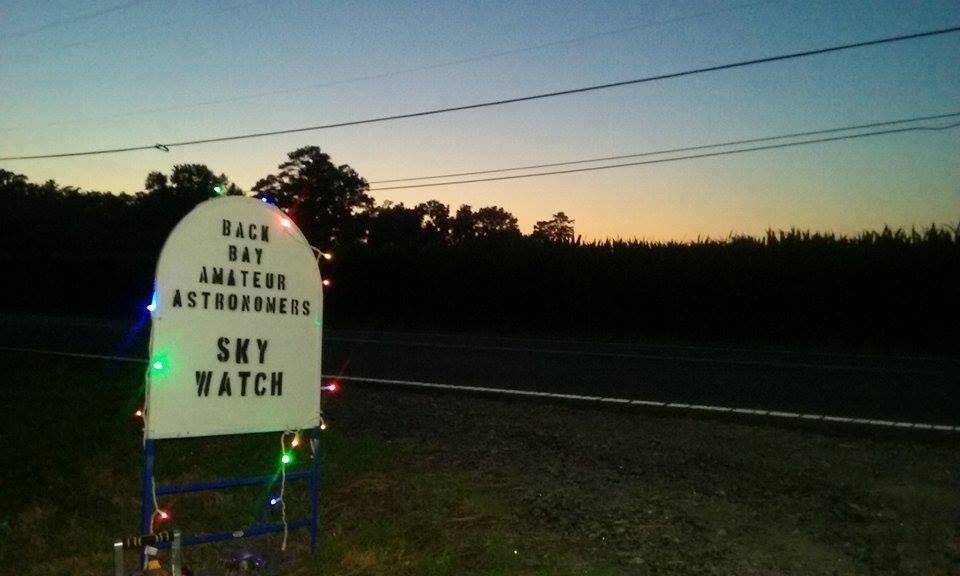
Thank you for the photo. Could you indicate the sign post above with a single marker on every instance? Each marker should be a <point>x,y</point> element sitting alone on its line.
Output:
<point>235,343</point>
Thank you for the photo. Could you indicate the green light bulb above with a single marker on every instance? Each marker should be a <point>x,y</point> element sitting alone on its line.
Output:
<point>159,366</point>
<point>286,458</point>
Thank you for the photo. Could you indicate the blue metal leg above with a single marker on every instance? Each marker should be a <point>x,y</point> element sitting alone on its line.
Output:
<point>146,503</point>
<point>315,490</point>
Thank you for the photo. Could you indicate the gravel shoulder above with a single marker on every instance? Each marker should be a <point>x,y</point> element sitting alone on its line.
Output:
<point>667,494</point>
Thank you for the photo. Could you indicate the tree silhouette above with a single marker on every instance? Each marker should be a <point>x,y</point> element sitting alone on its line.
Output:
<point>157,182</point>
<point>232,189</point>
<point>437,222</point>
<point>464,226</point>
<point>395,224</point>
<point>487,222</point>
<point>558,229</point>
<point>493,221</point>
<point>12,183</point>
<point>188,183</point>
<point>475,271</point>
<point>324,199</point>
<point>165,200</point>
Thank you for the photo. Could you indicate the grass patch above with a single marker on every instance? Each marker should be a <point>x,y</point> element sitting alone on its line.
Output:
<point>452,484</point>
<point>70,461</point>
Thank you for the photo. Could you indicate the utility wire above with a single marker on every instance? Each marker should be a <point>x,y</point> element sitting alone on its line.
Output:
<point>71,20</point>
<point>740,64</point>
<point>390,74</point>
<point>673,150</point>
<point>678,158</point>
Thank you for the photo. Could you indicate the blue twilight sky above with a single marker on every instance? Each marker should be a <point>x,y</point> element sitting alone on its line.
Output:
<point>78,75</point>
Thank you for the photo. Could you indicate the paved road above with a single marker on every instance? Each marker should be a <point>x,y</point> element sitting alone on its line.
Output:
<point>918,389</point>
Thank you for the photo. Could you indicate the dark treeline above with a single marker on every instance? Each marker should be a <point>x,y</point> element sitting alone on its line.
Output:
<point>428,267</point>
<point>888,290</point>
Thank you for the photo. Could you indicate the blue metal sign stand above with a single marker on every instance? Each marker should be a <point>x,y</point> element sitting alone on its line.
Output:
<point>147,509</point>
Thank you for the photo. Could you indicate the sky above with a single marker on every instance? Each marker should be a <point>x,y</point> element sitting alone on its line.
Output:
<point>84,75</point>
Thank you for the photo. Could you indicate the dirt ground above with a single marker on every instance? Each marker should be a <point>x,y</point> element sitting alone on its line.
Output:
<point>673,493</point>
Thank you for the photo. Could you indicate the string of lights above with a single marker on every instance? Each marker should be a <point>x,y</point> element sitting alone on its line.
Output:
<point>677,158</point>
<point>157,364</point>
<point>502,102</point>
<point>158,513</point>
<point>285,458</point>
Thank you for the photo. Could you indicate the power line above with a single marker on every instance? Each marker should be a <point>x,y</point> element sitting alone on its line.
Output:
<point>740,64</point>
<point>678,158</point>
<point>673,150</point>
<point>73,20</point>
<point>384,75</point>
<point>153,26</point>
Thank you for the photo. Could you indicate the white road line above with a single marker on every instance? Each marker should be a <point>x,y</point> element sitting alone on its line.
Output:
<point>784,414</point>
<point>561,396</point>
<point>673,405</point>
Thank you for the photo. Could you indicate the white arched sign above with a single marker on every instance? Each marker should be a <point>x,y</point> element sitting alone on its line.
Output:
<point>236,334</point>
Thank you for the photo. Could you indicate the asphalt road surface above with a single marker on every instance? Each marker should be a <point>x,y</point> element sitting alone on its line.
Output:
<point>901,388</point>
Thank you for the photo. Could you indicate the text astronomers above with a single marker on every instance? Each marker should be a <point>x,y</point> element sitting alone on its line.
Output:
<point>257,288</point>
